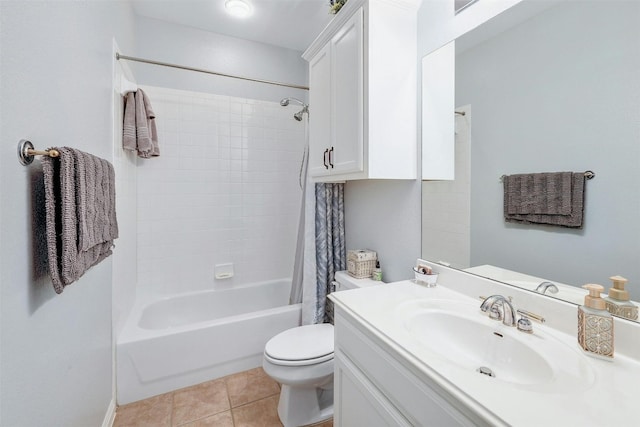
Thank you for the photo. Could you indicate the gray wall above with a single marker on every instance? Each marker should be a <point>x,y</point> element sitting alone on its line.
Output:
<point>558,92</point>
<point>384,216</point>
<point>55,89</point>
<point>178,44</point>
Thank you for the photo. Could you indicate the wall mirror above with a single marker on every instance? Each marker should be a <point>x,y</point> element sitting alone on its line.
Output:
<point>544,87</point>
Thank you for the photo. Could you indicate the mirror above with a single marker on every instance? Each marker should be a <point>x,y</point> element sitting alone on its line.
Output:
<point>546,90</point>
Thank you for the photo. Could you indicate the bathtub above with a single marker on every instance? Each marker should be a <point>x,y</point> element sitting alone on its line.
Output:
<point>187,339</point>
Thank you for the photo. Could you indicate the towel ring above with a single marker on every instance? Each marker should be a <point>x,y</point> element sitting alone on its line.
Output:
<point>26,152</point>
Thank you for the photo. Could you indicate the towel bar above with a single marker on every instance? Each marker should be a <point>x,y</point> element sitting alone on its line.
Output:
<point>587,175</point>
<point>26,152</point>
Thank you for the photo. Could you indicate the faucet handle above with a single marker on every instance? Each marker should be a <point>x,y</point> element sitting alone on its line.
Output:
<point>524,325</point>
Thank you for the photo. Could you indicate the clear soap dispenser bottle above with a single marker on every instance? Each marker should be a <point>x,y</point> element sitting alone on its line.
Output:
<point>618,302</point>
<point>595,324</point>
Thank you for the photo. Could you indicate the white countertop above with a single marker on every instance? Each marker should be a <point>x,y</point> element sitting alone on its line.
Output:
<point>606,398</point>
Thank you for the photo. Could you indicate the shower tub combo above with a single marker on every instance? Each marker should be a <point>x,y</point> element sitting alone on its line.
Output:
<point>187,339</point>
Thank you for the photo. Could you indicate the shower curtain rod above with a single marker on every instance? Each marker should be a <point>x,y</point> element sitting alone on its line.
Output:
<point>200,70</point>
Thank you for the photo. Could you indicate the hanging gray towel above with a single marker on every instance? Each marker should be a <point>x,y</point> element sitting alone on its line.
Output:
<point>81,219</point>
<point>539,193</point>
<point>129,141</point>
<point>139,132</point>
<point>545,198</point>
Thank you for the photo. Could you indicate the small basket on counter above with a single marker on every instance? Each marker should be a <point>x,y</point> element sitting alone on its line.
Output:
<point>361,262</point>
<point>424,275</point>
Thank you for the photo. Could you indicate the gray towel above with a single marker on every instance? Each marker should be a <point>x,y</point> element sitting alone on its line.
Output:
<point>129,125</point>
<point>539,193</point>
<point>565,210</point>
<point>139,131</point>
<point>80,213</point>
<point>151,124</point>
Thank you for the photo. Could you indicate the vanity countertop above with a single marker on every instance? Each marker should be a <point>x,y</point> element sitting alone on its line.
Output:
<point>604,393</point>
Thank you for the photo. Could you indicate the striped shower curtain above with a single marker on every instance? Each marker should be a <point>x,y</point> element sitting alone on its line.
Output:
<point>330,246</point>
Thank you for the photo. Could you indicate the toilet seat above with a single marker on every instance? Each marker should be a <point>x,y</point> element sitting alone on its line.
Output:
<point>303,345</point>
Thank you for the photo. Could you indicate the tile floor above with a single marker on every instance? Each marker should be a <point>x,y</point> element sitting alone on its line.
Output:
<point>246,399</point>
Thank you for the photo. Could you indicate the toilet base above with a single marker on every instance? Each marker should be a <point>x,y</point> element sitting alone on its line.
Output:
<point>300,406</point>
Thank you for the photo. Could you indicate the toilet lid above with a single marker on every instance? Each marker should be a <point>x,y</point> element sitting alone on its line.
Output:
<point>304,343</point>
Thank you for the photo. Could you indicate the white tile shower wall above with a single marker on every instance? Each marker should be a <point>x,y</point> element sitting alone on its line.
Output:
<point>224,189</point>
<point>446,205</point>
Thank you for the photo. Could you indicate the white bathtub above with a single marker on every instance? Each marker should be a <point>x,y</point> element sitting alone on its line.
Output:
<point>187,339</point>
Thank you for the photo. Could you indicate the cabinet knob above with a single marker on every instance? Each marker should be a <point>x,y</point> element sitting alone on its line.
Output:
<point>330,160</point>
<point>324,158</point>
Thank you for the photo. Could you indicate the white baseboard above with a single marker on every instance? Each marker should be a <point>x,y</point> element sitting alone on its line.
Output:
<point>110,416</point>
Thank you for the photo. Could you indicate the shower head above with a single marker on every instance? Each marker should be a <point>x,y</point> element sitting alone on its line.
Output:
<point>285,101</point>
<point>298,115</point>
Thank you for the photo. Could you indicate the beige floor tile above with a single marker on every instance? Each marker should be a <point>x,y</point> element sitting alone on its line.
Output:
<point>249,386</point>
<point>223,419</point>
<point>261,413</point>
<point>152,412</point>
<point>199,401</point>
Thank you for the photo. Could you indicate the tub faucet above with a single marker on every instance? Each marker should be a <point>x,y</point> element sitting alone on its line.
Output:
<point>491,305</point>
<point>547,286</point>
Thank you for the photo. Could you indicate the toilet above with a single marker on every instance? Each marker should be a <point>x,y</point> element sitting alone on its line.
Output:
<point>301,360</point>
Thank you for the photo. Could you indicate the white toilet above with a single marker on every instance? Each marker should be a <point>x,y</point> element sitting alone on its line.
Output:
<point>301,359</point>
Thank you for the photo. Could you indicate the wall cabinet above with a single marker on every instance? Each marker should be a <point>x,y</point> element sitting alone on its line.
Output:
<point>362,93</point>
<point>335,140</point>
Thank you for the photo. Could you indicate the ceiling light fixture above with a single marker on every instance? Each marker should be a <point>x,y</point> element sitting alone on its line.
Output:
<point>238,8</point>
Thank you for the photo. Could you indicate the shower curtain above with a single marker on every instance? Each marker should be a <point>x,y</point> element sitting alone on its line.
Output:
<point>330,253</point>
<point>320,248</point>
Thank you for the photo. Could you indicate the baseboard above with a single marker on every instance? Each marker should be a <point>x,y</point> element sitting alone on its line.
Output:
<point>110,416</point>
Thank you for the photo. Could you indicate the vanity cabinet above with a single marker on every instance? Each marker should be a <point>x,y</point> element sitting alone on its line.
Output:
<point>373,387</point>
<point>362,93</point>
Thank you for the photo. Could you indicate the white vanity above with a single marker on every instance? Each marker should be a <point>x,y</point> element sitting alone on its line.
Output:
<point>406,354</point>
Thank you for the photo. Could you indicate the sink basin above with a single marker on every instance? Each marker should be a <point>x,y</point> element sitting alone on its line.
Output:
<point>459,334</point>
<point>474,345</point>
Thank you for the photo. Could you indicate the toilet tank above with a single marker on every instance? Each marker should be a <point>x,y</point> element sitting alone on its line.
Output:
<point>344,281</point>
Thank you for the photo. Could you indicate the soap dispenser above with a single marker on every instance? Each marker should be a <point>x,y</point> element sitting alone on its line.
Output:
<point>595,324</point>
<point>618,302</point>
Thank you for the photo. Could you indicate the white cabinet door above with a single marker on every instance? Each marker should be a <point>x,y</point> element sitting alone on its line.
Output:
<point>375,387</point>
<point>360,403</point>
<point>347,97</point>
<point>372,93</point>
<point>320,112</point>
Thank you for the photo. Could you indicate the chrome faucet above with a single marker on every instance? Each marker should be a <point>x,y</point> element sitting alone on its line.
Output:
<point>547,286</point>
<point>508,312</point>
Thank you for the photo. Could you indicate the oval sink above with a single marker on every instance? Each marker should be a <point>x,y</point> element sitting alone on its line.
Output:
<point>460,334</point>
<point>474,345</point>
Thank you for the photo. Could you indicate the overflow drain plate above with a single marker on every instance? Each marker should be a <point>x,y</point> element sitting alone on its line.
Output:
<point>485,371</point>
